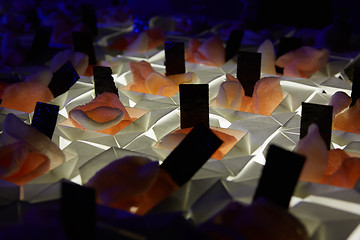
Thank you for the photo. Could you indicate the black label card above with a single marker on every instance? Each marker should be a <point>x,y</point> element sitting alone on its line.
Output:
<point>45,117</point>
<point>279,176</point>
<point>233,44</point>
<point>103,80</point>
<point>194,105</point>
<point>78,211</point>
<point>88,15</point>
<point>355,92</point>
<point>188,157</point>
<point>320,115</point>
<point>63,79</point>
<point>40,44</point>
<point>286,45</point>
<point>248,70</point>
<point>174,58</point>
<point>83,42</point>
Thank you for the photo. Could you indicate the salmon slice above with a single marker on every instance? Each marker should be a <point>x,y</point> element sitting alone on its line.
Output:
<point>267,95</point>
<point>347,175</point>
<point>146,80</point>
<point>158,84</point>
<point>172,140</point>
<point>79,60</point>
<point>23,96</point>
<point>133,183</point>
<point>339,101</point>
<point>139,42</point>
<point>348,120</point>
<point>16,130</point>
<point>303,62</point>
<point>211,52</point>
<point>313,147</point>
<point>140,71</point>
<point>35,165</point>
<point>230,94</point>
<point>334,167</point>
<point>19,166</point>
<point>105,114</point>
<point>259,220</point>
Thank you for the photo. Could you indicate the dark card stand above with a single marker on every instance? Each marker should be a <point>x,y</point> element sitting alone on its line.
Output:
<point>188,157</point>
<point>355,92</point>
<point>88,16</point>
<point>233,44</point>
<point>286,45</point>
<point>248,70</point>
<point>174,58</point>
<point>40,45</point>
<point>45,118</point>
<point>103,80</point>
<point>63,79</point>
<point>279,176</point>
<point>78,211</point>
<point>320,115</point>
<point>83,42</point>
<point>194,105</point>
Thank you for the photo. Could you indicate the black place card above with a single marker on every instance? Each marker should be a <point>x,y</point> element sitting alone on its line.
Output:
<point>279,176</point>
<point>286,45</point>
<point>174,57</point>
<point>78,211</point>
<point>320,115</point>
<point>63,79</point>
<point>350,70</point>
<point>40,44</point>
<point>188,157</point>
<point>83,42</point>
<point>194,105</point>
<point>45,117</point>
<point>103,81</point>
<point>233,43</point>
<point>88,16</point>
<point>248,70</point>
<point>355,91</point>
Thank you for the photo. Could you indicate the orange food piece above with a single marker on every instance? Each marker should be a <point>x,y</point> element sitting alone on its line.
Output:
<point>101,109</point>
<point>347,174</point>
<point>139,42</point>
<point>303,62</point>
<point>158,84</point>
<point>133,184</point>
<point>173,139</point>
<point>334,167</point>
<point>23,96</point>
<point>336,158</point>
<point>267,95</point>
<point>146,80</point>
<point>140,71</point>
<point>211,52</point>
<point>230,94</point>
<point>79,60</point>
<point>349,119</point>
<point>313,147</point>
<point>260,220</point>
<point>20,166</point>
<point>339,101</point>
<point>164,185</point>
